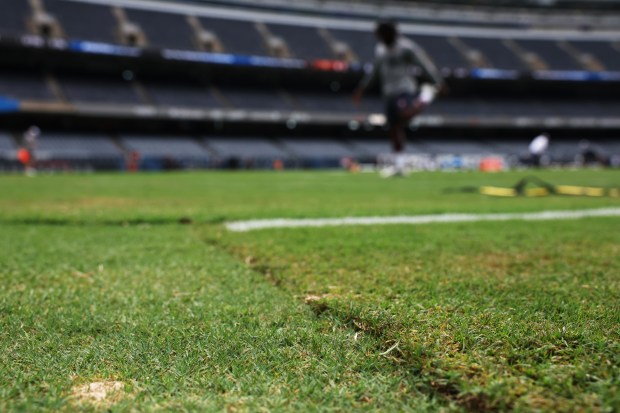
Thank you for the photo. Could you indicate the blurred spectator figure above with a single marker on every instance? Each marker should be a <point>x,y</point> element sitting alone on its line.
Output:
<point>349,164</point>
<point>26,153</point>
<point>538,148</point>
<point>589,155</point>
<point>396,61</point>
<point>278,165</point>
<point>133,161</point>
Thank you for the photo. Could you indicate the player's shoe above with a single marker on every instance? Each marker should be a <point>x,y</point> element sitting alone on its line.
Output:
<point>387,172</point>
<point>392,172</point>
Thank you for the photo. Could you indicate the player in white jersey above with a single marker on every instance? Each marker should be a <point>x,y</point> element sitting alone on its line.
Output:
<point>538,148</point>
<point>397,59</point>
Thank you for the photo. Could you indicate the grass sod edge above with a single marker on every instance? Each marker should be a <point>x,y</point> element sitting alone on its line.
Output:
<point>77,316</point>
<point>383,324</point>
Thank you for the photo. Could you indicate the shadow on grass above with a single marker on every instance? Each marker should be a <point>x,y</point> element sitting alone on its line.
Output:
<point>66,222</point>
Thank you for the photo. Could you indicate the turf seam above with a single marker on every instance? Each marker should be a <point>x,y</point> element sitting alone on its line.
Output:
<point>432,385</point>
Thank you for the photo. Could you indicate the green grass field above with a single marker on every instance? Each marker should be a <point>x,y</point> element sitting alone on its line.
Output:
<point>134,280</point>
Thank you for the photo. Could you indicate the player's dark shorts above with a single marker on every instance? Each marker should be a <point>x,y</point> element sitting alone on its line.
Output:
<point>395,105</point>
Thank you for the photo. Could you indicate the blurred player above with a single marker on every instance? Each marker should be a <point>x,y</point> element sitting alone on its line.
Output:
<point>396,61</point>
<point>26,153</point>
<point>537,149</point>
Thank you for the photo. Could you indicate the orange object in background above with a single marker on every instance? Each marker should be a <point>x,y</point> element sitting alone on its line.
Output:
<point>491,165</point>
<point>23,156</point>
<point>278,165</point>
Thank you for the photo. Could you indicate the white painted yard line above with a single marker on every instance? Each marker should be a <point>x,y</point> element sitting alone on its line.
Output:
<point>253,225</point>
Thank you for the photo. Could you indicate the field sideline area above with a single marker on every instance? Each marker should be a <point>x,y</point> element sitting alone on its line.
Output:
<point>129,293</point>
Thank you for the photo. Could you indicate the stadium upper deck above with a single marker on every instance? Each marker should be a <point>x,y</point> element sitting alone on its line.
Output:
<point>518,13</point>
<point>192,27</point>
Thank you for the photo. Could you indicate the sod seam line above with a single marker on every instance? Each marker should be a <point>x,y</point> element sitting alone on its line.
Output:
<point>258,224</point>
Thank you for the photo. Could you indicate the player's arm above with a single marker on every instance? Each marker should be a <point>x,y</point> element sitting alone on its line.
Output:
<point>427,65</point>
<point>369,78</point>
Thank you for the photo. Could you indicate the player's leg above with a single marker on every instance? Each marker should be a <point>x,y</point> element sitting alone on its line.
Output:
<point>394,107</point>
<point>414,109</point>
<point>398,138</point>
<point>400,110</point>
<point>412,106</point>
<point>407,107</point>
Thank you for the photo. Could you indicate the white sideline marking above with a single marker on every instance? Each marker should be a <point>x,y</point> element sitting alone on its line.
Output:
<point>257,224</point>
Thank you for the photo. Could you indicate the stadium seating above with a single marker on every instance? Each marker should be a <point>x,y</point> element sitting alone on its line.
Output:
<point>78,88</point>
<point>541,4</point>
<point>54,145</point>
<point>369,149</point>
<point>455,147</point>
<point>318,152</point>
<point>441,51</point>
<point>496,53</point>
<point>335,102</point>
<point>166,152</point>
<point>180,93</point>
<point>303,42</point>
<point>163,30</point>
<point>550,52</point>
<point>84,21</point>
<point>603,51</point>
<point>14,17</point>
<point>96,22</point>
<point>98,89</point>
<point>161,146</point>
<point>24,85</point>
<point>7,147</point>
<point>247,152</point>
<point>237,36</point>
<point>254,98</point>
<point>77,151</point>
<point>8,152</point>
<point>360,42</point>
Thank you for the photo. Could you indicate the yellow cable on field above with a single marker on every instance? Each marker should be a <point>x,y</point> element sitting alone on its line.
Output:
<point>569,190</point>
<point>542,188</point>
<point>537,192</point>
<point>495,191</point>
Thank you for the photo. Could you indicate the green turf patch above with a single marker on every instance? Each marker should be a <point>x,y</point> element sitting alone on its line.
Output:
<point>103,291</point>
<point>493,316</point>
<point>177,323</point>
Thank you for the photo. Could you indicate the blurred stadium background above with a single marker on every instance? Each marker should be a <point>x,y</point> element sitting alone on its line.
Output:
<point>162,84</point>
